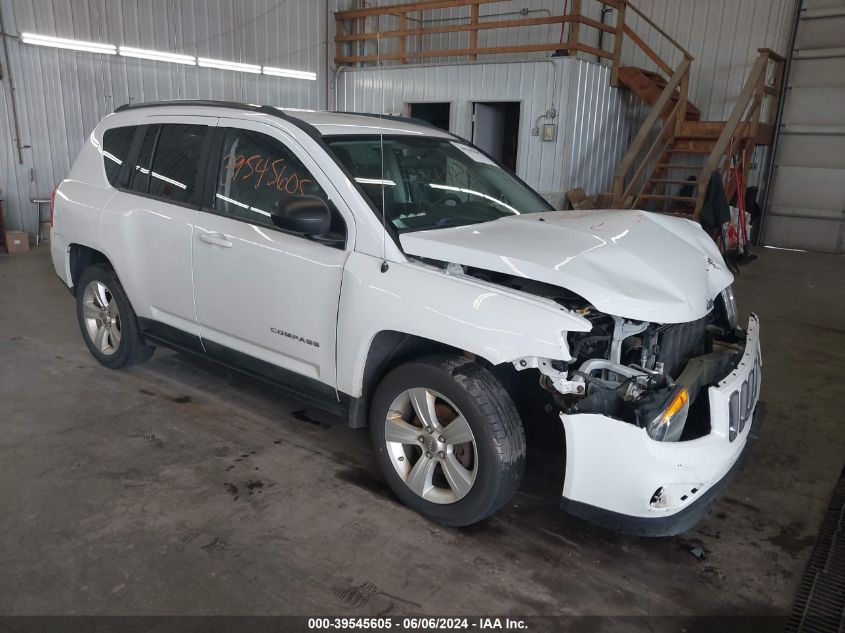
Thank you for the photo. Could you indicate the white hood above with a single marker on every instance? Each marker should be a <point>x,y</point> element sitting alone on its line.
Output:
<point>634,264</point>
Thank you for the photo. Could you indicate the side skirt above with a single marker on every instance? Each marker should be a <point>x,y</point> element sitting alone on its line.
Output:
<point>291,384</point>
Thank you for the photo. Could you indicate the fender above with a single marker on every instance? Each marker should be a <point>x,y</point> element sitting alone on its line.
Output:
<point>495,323</point>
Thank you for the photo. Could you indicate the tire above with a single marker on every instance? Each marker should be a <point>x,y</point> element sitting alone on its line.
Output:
<point>100,297</point>
<point>469,480</point>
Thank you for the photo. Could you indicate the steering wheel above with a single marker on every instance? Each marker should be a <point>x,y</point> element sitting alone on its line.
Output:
<point>445,198</point>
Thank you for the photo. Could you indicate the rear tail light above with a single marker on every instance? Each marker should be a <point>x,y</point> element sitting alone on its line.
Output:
<point>52,204</point>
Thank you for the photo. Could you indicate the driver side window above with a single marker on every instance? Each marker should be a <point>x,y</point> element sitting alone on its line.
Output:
<point>256,174</point>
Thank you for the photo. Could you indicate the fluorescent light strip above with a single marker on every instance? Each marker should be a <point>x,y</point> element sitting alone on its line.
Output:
<point>472,192</point>
<point>205,62</point>
<point>170,180</point>
<point>73,45</point>
<point>163,56</point>
<point>285,72</point>
<point>375,181</point>
<point>158,56</point>
<point>242,205</point>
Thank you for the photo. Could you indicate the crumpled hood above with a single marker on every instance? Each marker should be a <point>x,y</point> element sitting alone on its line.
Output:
<point>634,264</point>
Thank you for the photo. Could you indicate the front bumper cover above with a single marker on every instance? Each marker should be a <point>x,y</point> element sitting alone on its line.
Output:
<point>672,524</point>
<point>618,477</point>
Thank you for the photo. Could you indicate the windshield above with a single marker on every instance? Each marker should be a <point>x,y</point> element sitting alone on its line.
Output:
<point>432,183</point>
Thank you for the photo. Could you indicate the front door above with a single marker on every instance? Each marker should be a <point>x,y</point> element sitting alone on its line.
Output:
<point>264,294</point>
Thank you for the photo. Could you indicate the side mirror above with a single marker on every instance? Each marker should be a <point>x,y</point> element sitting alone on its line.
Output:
<point>308,215</point>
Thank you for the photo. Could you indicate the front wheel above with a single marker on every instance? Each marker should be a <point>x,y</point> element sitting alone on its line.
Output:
<point>448,439</point>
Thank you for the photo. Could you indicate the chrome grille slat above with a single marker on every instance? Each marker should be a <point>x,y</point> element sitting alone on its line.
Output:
<point>743,399</point>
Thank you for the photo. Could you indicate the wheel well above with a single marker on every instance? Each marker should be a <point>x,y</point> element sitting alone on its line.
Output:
<point>536,407</point>
<point>388,350</point>
<point>81,257</point>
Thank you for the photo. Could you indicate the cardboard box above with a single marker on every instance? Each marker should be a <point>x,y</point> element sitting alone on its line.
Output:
<point>17,241</point>
<point>580,200</point>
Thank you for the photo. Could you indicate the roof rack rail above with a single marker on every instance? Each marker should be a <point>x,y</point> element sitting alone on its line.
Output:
<point>273,111</point>
<point>393,117</point>
<point>233,105</point>
<point>189,102</point>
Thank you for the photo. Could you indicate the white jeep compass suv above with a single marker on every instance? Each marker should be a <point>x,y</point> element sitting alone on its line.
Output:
<point>391,272</point>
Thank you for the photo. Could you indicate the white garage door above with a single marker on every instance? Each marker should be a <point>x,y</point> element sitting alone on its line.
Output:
<point>807,202</point>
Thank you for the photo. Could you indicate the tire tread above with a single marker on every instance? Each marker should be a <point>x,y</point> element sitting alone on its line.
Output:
<point>498,412</point>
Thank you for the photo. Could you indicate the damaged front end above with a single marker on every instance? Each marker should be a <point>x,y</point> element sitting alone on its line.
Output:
<point>646,374</point>
<point>656,416</point>
<point>657,390</point>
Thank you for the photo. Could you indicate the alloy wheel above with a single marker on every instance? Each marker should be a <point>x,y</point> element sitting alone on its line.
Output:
<point>102,317</point>
<point>431,445</point>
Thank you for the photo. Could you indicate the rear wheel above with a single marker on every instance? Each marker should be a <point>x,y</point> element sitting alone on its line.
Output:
<point>107,321</point>
<point>448,439</point>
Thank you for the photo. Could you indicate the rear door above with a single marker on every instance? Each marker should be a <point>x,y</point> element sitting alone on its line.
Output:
<point>269,296</point>
<point>152,216</point>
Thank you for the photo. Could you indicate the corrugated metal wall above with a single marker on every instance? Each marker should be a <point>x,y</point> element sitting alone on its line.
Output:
<point>63,94</point>
<point>723,35</point>
<point>595,121</point>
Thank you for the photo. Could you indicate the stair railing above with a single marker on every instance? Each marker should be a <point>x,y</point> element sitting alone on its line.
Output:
<point>627,181</point>
<point>642,150</point>
<point>660,143</point>
<point>398,33</point>
<point>742,129</point>
<point>363,37</point>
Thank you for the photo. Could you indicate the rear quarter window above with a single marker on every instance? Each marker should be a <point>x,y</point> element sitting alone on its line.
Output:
<point>117,142</point>
<point>173,176</point>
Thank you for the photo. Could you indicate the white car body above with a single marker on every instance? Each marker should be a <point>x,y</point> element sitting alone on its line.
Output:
<point>314,312</point>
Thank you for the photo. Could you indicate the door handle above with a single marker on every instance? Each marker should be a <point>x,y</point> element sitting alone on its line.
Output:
<point>218,239</point>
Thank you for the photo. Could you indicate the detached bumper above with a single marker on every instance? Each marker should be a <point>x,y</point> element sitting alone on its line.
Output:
<point>621,479</point>
<point>683,520</point>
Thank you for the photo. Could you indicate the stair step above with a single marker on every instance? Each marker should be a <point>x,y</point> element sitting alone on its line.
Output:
<point>687,150</point>
<point>672,181</point>
<point>678,166</point>
<point>655,196</point>
<point>701,130</point>
<point>648,86</point>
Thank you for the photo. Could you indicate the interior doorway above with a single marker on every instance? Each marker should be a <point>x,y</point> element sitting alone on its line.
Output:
<point>495,129</point>
<point>438,114</point>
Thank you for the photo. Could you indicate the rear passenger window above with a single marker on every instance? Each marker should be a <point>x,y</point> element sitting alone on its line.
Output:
<point>116,145</point>
<point>141,171</point>
<point>257,172</point>
<point>176,160</point>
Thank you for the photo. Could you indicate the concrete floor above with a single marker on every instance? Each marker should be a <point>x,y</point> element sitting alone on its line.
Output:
<point>177,488</point>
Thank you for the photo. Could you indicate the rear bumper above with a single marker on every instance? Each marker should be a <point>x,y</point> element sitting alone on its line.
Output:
<point>618,477</point>
<point>60,254</point>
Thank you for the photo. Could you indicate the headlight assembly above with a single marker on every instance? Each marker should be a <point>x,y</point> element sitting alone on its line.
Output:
<point>668,424</point>
<point>729,303</point>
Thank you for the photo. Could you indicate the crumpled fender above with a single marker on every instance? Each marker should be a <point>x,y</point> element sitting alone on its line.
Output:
<point>490,321</point>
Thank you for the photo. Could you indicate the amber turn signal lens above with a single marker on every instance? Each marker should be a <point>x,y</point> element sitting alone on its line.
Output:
<point>677,404</point>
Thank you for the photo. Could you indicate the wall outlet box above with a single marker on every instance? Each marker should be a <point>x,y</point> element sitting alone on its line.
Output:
<point>549,131</point>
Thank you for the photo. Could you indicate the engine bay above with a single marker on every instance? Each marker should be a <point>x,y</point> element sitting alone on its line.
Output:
<point>647,374</point>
